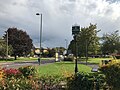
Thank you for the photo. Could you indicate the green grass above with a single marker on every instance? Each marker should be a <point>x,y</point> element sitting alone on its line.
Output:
<point>61,68</point>
<point>95,60</point>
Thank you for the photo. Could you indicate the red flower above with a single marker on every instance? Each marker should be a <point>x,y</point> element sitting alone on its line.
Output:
<point>12,72</point>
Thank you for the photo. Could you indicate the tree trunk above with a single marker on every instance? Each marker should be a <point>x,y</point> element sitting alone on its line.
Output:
<point>86,51</point>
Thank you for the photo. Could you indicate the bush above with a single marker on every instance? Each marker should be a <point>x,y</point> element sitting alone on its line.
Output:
<point>112,73</point>
<point>27,71</point>
<point>9,73</point>
<point>19,84</point>
<point>68,59</point>
<point>81,81</point>
<point>52,82</point>
<point>42,83</point>
<point>117,56</point>
<point>1,73</point>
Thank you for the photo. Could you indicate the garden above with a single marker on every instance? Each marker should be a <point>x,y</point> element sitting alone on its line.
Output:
<point>61,76</point>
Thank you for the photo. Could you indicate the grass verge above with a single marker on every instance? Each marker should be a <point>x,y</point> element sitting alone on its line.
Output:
<point>61,68</point>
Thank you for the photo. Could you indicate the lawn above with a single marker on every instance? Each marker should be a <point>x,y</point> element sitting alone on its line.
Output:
<point>61,68</point>
<point>95,60</point>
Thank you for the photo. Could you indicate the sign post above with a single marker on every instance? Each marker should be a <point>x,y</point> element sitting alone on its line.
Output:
<point>75,31</point>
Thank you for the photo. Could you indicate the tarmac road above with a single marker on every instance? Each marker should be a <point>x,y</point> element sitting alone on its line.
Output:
<point>25,63</point>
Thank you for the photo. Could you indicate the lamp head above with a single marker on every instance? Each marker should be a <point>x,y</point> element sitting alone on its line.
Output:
<point>37,14</point>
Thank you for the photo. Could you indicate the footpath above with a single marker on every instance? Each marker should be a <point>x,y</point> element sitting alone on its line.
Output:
<point>92,65</point>
<point>24,63</point>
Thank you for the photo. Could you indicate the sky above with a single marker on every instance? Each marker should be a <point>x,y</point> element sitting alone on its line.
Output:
<point>58,18</point>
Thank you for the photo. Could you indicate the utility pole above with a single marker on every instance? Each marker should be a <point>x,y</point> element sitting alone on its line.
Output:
<point>40,36</point>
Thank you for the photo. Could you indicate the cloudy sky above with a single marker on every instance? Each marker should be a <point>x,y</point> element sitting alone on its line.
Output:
<point>58,17</point>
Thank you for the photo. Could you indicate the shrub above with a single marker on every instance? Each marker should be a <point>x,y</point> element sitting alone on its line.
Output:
<point>42,83</point>
<point>68,59</point>
<point>52,82</point>
<point>27,71</point>
<point>112,73</point>
<point>117,56</point>
<point>18,84</point>
<point>81,81</point>
<point>1,73</point>
<point>9,73</point>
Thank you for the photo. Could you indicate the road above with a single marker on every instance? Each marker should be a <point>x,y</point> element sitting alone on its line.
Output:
<point>35,63</point>
<point>24,63</point>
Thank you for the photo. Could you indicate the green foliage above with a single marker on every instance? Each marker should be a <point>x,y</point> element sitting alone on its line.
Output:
<point>53,82</point>
<point>20,42</point>
<point>87,41</point>
<point>42,83</point>
<point>71,47</point>
<point>117,56</point>
<point>27,71</point>
<point>3,48</point>
<point>81,81</point>
<point>19,84</point>
<point>68,59</point>
<point>60,50</point>
<point>111,43</point>
<point>112,73</point>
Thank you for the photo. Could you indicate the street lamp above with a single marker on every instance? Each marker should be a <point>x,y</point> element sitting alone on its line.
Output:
<point>7,47</point>
<point>38,14</point>
<point>75,31</point>
<point>66,43</point>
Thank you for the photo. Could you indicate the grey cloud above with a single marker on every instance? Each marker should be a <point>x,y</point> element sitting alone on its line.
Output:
<point>58,18</point>
<point>91,6</point>
<point>72,0</point>
<point>113,1</point>
<point>109,11</point>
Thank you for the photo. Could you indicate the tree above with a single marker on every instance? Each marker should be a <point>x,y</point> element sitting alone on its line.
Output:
<point>111,43</point>
<point>60,50</point>
<point>51,52</point>
<point>20,42</point>
<point>3,48</point>
<point>87,41</point>
<point>71,47</point>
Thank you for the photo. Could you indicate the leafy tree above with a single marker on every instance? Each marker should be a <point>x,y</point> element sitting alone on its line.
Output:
<point>71,47</point>
<point>20,42</point>
<point>51,52</point>
<point>111,43</point>
<point>87,41</point>
<point>60,50</point>
<point>3,48</point>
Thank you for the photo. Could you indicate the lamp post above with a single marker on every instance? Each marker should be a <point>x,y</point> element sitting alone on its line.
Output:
<point>38,14</point>
<point>75,31</point>
<point>66,43</point>
<point>7,47</point>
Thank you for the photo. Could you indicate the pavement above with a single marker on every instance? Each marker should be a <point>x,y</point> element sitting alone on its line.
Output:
<point>92,65</point>
<point>25,63</point>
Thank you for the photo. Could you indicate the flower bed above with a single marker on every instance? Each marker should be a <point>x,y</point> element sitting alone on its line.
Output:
<point>25,78</point>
